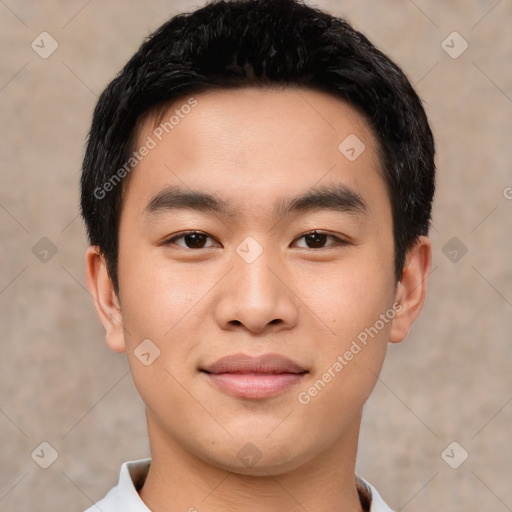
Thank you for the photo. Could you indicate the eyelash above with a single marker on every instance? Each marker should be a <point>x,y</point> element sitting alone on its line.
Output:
<point>339,241</point>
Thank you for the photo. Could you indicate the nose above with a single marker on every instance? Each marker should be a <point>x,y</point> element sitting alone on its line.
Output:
<point>258,296</point>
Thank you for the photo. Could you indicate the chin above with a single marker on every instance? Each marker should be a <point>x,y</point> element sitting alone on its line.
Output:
<point>260,458</point>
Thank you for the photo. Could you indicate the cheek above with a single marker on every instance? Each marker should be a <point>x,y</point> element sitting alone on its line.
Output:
<point>348,296</point>
<point>169,402</point>
<point>349,299</point>
<point>154,297</point>
<point>157,304</point>
<point>163,304</point>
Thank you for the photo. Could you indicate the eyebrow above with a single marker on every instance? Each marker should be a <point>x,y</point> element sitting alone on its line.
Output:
<point>338,198</point>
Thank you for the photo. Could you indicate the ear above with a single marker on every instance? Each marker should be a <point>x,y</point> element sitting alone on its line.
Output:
<point>412,289</point>
<point>105,299</point>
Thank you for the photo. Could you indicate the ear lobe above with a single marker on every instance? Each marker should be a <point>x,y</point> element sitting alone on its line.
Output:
<point>412,289</point>
<point>105,299</point>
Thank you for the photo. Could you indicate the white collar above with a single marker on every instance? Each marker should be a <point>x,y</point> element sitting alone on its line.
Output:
<point>125,498</point>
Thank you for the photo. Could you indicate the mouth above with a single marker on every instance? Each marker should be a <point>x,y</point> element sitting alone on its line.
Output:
<point>259,377</point>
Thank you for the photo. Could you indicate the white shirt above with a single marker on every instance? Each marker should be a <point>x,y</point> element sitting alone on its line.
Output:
<point>125,498</point>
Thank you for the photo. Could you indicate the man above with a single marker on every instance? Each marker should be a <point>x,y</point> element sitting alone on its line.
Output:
<point>257,189</point>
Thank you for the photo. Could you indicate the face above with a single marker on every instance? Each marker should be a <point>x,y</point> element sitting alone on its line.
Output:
<point>288,273</point>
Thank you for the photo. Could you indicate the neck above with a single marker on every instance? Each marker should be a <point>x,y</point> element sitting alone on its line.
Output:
<point>178,480</point>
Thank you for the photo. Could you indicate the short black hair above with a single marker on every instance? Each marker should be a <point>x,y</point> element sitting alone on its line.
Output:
<point>263,43</point>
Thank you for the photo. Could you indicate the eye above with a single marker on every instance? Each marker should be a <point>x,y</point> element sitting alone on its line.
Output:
<point>193,240</point>
<point>316,240</point>
<point>197,239</point>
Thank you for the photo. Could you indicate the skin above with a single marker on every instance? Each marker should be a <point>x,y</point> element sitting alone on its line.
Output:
<point>253,147</point>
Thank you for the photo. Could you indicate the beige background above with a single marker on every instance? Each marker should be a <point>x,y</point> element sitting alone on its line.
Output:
<point>451,380</point>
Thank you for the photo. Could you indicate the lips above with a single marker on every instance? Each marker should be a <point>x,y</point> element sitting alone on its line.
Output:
<point>266,364</point>
<point>254,377</point>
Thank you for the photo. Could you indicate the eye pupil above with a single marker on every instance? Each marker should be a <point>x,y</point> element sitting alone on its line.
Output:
<point>316,239</point>
<point>197,240</point>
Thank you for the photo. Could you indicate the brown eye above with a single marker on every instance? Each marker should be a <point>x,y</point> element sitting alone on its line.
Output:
<point>192,239</point>
<point>316,240</point>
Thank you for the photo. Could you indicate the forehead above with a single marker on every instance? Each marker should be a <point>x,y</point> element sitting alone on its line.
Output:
<point>252,146</point>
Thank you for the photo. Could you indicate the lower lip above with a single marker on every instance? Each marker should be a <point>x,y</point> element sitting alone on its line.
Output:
<point>261,385</point>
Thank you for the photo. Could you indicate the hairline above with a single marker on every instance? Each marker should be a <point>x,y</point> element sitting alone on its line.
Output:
<point>158,111</point>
